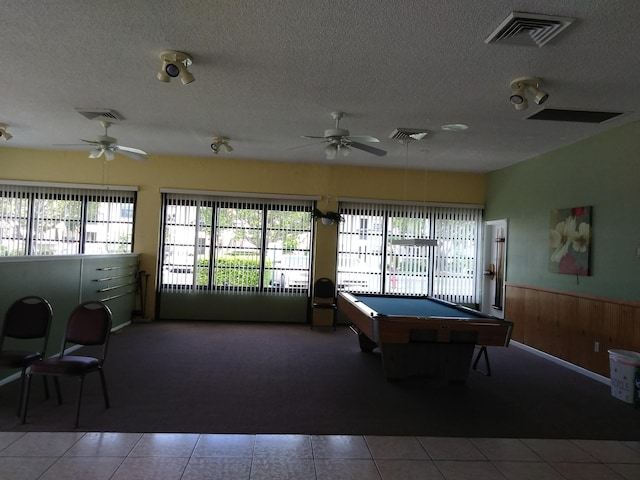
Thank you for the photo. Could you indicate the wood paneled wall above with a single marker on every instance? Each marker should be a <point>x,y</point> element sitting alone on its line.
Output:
<point>568,325</point>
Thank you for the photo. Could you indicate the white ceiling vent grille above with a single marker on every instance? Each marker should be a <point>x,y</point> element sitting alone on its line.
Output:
<point>528,29</point>
<point>100,114</point>
<point>408,134</point>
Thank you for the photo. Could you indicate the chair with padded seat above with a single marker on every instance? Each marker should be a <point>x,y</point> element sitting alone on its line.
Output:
<point>324,297</point>
<point>24,337</point>
<point>89,325</point>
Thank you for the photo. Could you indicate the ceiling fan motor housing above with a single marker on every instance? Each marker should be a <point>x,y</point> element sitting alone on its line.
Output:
<point>336,132</point>
<point>106,140</point>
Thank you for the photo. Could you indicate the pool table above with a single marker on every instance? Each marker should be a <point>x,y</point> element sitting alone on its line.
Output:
<point>421,335</point>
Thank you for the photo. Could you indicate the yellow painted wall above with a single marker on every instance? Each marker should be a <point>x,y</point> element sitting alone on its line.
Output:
<point>236,175</point>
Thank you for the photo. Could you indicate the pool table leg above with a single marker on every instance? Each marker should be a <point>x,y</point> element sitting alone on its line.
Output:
<point>366,344</point>
<point>482,352</point>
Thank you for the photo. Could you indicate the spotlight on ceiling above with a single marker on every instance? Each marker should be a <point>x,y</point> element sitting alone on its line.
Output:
<point>519,88</point>
<point>6,136</point>
<point>175,64</point>
<point>221,143</point>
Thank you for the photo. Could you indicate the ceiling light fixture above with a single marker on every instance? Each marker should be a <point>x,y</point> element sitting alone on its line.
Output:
<point>175,64</point>
<point>6,136</point>
<point>335,147</point>
<point>454,127</point>
<point>520,87</point>
<point>221,143</point>
<point>411,241</point>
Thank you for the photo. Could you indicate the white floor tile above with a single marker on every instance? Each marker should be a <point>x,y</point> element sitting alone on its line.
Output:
<point>42,444</point>
<point>165,445</point>
<point>340,446</point>
<point>104,444</point>
<point>395,448</point>
<point>220,445</point>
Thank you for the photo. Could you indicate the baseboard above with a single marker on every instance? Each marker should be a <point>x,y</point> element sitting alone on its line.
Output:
<point>564,363</point>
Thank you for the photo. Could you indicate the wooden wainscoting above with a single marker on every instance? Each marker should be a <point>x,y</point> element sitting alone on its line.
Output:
<point>568,325</point>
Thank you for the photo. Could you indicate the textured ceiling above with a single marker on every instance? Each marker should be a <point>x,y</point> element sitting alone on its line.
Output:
<point>268,72</point>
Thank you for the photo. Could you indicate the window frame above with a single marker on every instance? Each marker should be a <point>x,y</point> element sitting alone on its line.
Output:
<point>380,262</point>
<point>37,239</point>
<point>261,250</point>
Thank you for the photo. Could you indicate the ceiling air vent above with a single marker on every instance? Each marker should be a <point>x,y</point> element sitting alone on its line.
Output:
<point>100,114</point>
<point>528,29</point>
<point>580,116</point>
<point>408,134</point>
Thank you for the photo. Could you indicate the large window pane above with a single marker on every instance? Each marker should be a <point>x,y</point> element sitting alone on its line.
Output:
<point>49,220</point>
<point>256,246</point>
<point>380,250</point>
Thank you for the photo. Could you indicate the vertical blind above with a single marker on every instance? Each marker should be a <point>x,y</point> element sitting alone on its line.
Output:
<point>370,261</point>
<point>44,219</point>
<point>235,245</point>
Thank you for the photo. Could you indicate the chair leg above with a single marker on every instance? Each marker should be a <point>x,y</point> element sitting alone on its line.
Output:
<point>81,378</point>
<point>56,383</point>
<point>25,400</point>
<point>46,387</point>
<point>22,385</point>
<point>104,389</point>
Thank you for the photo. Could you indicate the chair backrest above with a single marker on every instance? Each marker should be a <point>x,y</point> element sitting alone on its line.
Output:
<point>27,318</point>
<point>324,288</point>
<point>89,324</point>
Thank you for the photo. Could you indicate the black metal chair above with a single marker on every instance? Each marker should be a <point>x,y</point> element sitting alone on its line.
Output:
<point>324,297</point>
<point>89,325</point>
<point>27,320</point>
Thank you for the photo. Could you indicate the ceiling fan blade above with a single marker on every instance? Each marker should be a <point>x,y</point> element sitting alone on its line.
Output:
<point>368,148</point>
<point>310,136</point>
<point>364,138</point>
<point>92,142</point>
<point>128,153</point>
<point>306,144</point>
<point>96,153</point>
<point>131,150</point>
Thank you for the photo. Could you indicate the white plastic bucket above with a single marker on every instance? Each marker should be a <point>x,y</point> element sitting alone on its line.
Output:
<point>624,366</point>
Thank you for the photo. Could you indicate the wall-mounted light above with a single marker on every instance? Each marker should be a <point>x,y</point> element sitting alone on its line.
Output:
<point>175,64</point>
<point>519,88</point>
<point>6,136</point>
<point>221,143</point>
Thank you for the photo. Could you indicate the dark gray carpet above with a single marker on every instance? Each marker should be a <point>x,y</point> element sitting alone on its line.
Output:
<point>205,377</point>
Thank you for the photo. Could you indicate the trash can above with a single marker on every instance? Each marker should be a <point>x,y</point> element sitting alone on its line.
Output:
<point>624,366</point>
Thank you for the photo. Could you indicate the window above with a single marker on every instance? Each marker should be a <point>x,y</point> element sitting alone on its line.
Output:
<point>369,261</point>
<point>232,244</point>
<point>45,219</point>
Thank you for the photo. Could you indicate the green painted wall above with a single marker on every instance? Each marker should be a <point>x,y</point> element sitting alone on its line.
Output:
<point>602,171</point>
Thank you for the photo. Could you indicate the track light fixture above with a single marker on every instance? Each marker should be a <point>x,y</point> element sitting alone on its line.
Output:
<point>6,136</point>
<point>221,143</point>
<point>175,64</point>
<point>519,88</point>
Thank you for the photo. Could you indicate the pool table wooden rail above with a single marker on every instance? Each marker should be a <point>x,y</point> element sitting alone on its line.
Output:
<point>405,329</point>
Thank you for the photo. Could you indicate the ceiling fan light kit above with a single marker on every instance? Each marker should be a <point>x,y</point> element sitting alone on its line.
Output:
<point>107,146</point>
<point>175,64</point>
<point>341,142</point>
<point>6,136</point>
<point>523,85</point>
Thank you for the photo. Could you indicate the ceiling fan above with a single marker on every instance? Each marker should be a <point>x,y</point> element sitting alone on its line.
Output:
<point>340,142</point>
<point>108,146</point>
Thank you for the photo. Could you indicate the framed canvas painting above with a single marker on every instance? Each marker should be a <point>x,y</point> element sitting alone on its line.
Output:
<point>570,241</point>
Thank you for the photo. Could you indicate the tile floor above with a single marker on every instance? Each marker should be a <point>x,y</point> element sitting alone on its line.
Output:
<point>169,456</point>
